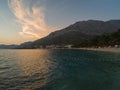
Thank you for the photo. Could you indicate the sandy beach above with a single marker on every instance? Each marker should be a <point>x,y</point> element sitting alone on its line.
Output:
<point>103,49</point>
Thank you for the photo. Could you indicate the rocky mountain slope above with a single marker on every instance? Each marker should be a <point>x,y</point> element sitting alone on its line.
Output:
<point>78,32</point>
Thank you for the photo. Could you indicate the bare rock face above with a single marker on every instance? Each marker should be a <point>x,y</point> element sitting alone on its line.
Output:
<point>78,32</point>
<point>90,27</point>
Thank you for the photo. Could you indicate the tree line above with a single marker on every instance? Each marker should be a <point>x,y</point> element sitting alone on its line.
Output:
<point>104,40</point>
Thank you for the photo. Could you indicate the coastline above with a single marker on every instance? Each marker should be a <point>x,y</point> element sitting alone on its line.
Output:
<point>117,50</point>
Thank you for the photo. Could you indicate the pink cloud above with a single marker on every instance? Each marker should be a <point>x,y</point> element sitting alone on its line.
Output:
<point>32,19</point>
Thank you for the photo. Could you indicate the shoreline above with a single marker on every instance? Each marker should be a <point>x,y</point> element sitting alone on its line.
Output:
<point>117,50</point>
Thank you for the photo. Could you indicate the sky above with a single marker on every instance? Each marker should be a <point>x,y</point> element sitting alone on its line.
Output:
<point>29,20</point>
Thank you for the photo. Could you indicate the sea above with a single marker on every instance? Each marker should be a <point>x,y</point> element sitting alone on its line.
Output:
<point>59,69</point>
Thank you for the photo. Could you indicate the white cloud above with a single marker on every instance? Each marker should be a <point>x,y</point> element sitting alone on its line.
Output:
<point>31,18</point>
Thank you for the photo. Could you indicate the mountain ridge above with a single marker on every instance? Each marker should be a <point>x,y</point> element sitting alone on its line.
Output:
<point>75,33</point>
<point>80,31</point>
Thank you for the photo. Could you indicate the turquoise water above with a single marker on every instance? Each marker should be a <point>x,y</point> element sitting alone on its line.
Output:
<point>59,70</point>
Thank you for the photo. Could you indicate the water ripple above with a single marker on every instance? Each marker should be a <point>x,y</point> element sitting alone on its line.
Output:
<point>59,70</point>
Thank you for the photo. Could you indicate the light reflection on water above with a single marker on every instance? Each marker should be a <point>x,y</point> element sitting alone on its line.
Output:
<point>37,65</point>
<point>26,66</point>
<point>31,63</point>
<point>59,70</point>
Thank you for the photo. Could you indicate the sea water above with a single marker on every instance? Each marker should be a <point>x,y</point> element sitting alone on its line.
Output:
<point>59,69</point>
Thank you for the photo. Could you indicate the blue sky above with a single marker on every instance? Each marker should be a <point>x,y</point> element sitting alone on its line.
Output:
<point>27,20</point>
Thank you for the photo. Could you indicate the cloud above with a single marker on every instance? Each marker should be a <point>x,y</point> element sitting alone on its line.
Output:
<point>31,17</point>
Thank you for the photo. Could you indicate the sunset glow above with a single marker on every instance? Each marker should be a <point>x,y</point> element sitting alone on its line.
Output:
<point>28,20</point>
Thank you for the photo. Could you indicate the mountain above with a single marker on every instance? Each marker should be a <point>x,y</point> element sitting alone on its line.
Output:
<point>77,33</point>
<point>25,45</point>
<point>104,40</point>
<point>8,46</point>
<point>90,27</point>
